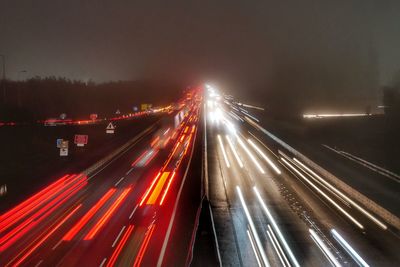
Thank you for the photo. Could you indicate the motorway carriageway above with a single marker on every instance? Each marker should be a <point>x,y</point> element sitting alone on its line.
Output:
<point>271,209</point>
<point>119,216</point>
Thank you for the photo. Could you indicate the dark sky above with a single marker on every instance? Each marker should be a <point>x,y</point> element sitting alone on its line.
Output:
<point>350,45</point>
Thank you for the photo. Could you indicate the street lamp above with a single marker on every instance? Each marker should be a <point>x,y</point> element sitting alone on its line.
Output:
<point>4,78</point>
<point>19,88</point>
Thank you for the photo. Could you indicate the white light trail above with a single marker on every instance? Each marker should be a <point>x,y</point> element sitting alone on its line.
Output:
<point>234,151</point>
<point>223,152</point>
<point>324,195</point>
<point>252,227</point>
<point>251,106</point>
<point>254,248</point>
<point>251,155</point>
<point>366,213</point>
<point>277,247</point>
<point>324,248</point>
<point>316,116</point>
<point>349,249</point>
<point>276,228</point>
<point>251,117</point>
<point>264,156</point>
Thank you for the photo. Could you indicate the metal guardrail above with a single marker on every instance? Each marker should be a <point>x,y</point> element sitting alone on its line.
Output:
<point>386,215</point>
<point>118,151</point>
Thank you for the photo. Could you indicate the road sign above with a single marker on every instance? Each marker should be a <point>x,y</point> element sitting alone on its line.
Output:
<point>93,116</point>
<point>63,152</point>
<point>63,116</point>
<point>118,112</point>
<point>145,107</point>
<point>59,141</point>
<point>135,108</point>
<point>110,128</point>
<point>81,139</point>
<point>64,144</point>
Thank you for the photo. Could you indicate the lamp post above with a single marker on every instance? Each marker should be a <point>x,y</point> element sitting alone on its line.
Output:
<point>4,78</point>
<point>19,88</point>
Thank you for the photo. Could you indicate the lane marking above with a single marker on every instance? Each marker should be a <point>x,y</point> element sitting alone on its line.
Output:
<point>120,180</point>
<point>59,242</point>
<point>133,211</point>
<point>103,261</point>
<point>118,236</point>
<point>130,170</point>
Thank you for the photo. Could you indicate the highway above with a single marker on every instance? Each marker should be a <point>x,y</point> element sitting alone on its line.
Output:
<point>124,212</point>
<point>140,204</point>
<point>271,209</point>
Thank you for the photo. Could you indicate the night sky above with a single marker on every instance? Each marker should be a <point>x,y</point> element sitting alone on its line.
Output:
<point>336,46</point>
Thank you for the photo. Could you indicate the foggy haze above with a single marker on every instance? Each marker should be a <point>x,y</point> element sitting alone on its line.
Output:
<point>276,53</point>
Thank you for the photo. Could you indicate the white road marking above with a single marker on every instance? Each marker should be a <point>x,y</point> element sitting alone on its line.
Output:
<point>120,180</point>
<point>118,236</point>
<point>133,212</point>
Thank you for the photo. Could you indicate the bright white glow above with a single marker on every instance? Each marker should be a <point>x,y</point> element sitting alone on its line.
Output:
<point>276,228</point>
<point>223,152</point>
<point>218,114</point>
<point>264,156</point>
<point>230,126</point>
<point>251,155</point>
<point>348,248</point>
<point>324,195</point>
<point>369,215</point>
<point>252,227</point>
<point>324,248</point>
<point>234,151</point>
<point>254,248</point>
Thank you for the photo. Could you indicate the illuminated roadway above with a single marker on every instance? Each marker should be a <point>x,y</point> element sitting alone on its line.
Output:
<point>253,188</point>
<point>141,206</point>
<point>124,213</point>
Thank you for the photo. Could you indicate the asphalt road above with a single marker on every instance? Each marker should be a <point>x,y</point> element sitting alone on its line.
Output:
<point>242,185</point>
<point>132,211</point>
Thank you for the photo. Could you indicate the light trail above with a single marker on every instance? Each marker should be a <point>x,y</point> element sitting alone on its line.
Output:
<point>272,234</point>
<point>82,222</point>
<point>324,195</point>
<point>242,144</point>
<point>120,246</point>
<point>328,254</point>
<point>254,248</point>
<point>103,220</point>
<point>12,217</point>
<point>275,246</point>
<point>349,249</point>
<point>144,245</point>
<point>366,213</point>
<point>166,190</point>
<point>223,152</point>
<point>320,116</point>
<point>157,190</point>
<point>30,201</point>
<point>234,151</point>
<point>252,227</point>
<point>264,156</point>
<point>276,228</point>
<point>12,236</point>
<point>149,189</point>
<point>41,241</point>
